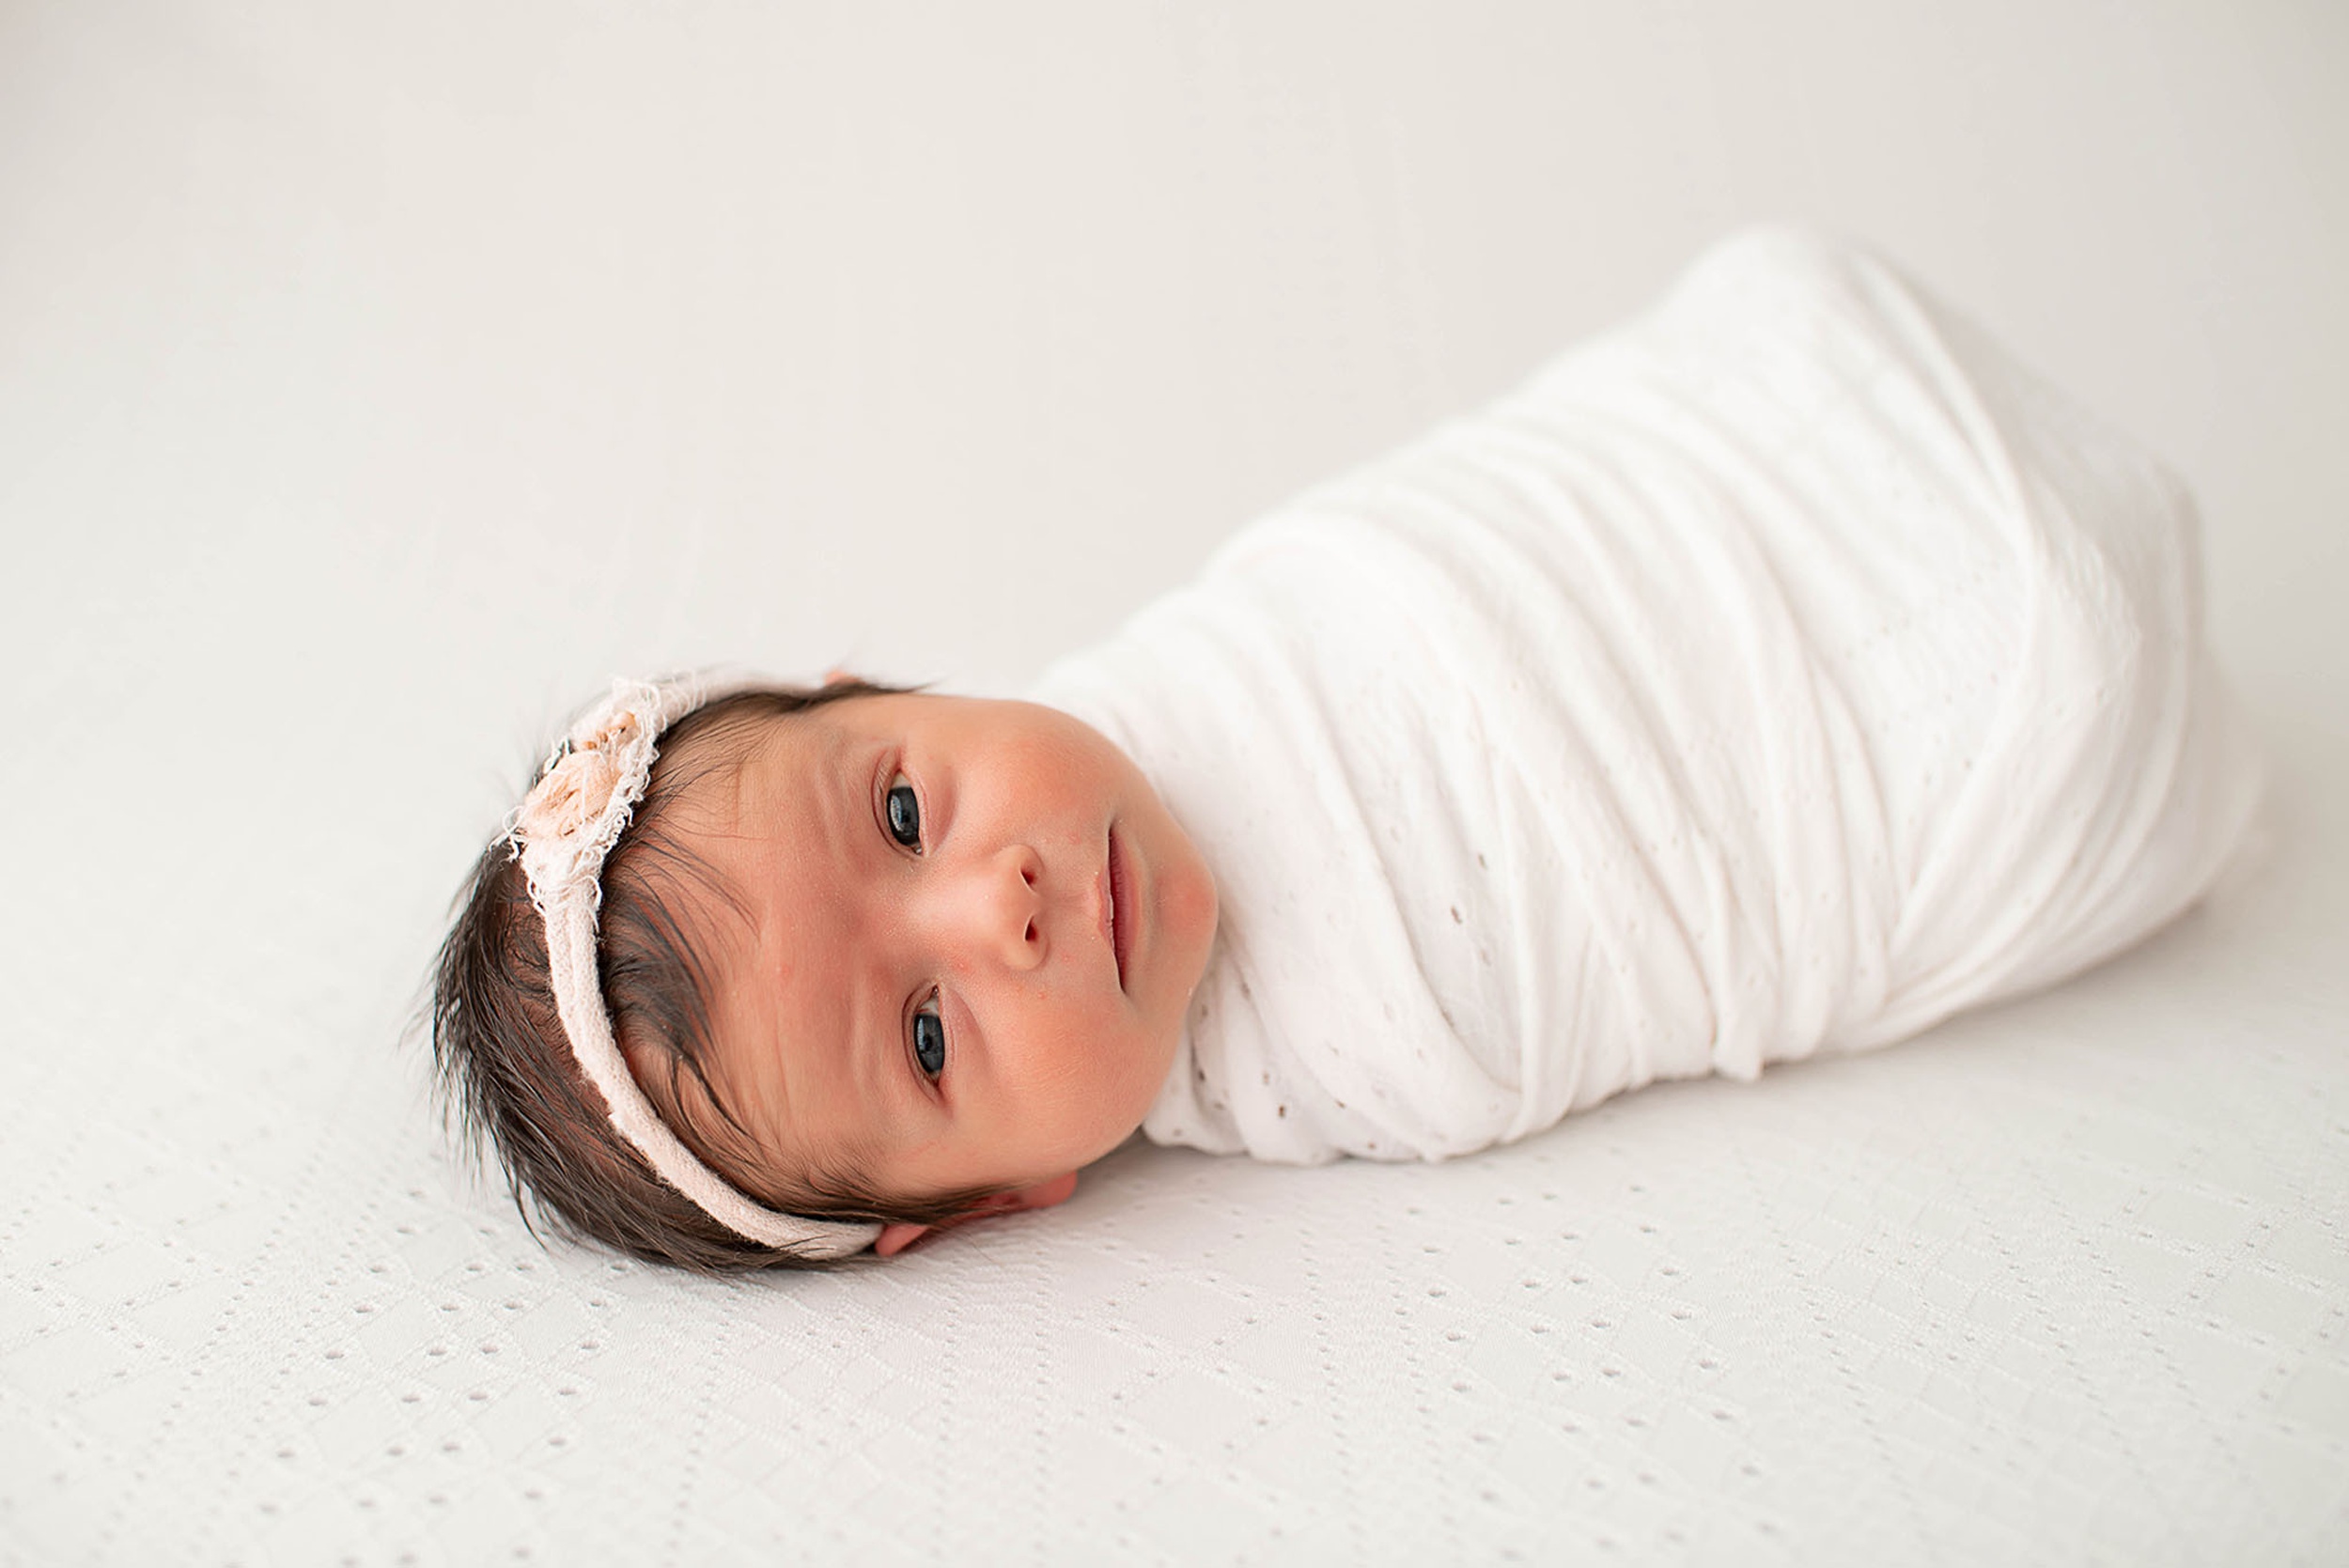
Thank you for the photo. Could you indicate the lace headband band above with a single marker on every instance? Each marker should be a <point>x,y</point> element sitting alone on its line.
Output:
<point>561,833</point>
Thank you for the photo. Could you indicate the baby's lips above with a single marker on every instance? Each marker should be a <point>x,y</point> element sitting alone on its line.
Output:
<point>1122,906</point>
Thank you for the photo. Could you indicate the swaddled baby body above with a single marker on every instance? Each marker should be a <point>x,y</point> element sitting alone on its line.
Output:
<point>1779,674</point>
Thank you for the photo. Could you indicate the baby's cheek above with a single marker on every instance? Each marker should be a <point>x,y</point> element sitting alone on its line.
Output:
<point>1104,1078</point>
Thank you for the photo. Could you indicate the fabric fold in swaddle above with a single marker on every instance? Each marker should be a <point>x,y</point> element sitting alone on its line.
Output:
<point>1781,672</point>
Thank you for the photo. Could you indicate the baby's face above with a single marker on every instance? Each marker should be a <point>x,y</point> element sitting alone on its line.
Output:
<point>973,933</point>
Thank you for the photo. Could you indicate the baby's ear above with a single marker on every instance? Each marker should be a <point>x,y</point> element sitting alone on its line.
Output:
<point>838,676</point>
<point>1043,1195</point>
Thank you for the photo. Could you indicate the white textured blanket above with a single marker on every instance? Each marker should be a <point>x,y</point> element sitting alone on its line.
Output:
<point>1782,673</point>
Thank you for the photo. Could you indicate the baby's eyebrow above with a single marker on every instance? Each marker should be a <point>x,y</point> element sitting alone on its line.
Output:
<point>830,765</point>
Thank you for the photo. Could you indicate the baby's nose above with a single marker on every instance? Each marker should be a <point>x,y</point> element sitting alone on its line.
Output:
<point>1000,908</point>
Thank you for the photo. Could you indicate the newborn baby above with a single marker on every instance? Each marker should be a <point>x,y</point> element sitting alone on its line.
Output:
<point>1779,674</point>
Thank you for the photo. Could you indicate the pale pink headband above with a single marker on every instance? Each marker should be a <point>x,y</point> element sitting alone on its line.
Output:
<point>561,833</point>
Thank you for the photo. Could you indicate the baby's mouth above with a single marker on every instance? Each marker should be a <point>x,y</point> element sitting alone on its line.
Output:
<point>1120,927</point>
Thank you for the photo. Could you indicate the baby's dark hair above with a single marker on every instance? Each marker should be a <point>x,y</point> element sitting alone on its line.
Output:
<point>505,1070</point>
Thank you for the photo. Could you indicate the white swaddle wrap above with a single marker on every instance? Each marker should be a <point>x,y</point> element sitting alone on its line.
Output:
<point>1781,672</point>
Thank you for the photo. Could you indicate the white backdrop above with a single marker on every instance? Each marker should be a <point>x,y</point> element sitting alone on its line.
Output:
<point>376,381</point>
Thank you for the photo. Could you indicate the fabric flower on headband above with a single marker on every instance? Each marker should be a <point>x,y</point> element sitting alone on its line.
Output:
<point>574,814</point>
<point>570,797</point>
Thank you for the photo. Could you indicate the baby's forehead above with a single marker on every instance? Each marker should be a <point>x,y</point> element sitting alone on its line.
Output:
<point>762,822</point>
<point>745,808</point>
<point>714,770</point>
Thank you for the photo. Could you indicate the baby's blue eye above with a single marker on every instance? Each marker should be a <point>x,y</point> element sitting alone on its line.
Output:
<point>905,814</point>
<point>930,1038</point>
